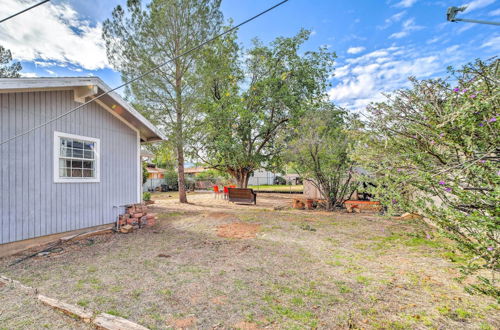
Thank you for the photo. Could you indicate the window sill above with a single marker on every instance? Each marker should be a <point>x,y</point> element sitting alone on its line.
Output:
<point>62,180</point>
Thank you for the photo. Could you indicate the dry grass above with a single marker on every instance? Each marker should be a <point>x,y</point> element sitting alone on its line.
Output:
<point>20,310</point>
<point>302,270</point>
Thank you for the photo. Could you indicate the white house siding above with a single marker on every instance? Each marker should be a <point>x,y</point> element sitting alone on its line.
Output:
<point>262,177</point>
<point>31,204</point>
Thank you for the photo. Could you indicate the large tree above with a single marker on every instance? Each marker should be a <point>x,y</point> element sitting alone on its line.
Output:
<point>140,37</point>
<point>434,149</point>
<point>250,98</point>
<point>319,152</point>
<point>8,69</point>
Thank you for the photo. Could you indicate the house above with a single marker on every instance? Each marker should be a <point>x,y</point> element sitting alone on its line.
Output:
<point>76,172</point>
<point>156,177</point>
<point>262,177</point>
<point>155,172</point>
<point>193,171</point>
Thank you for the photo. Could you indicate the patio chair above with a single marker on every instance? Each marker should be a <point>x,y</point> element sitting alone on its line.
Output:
<point>217,192</point>
<point>226,192</point>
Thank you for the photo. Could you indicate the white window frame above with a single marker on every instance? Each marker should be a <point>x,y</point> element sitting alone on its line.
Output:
<point>97,161</point>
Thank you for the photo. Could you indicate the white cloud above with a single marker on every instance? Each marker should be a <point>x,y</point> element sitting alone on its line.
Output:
<point>52,33</point>
<point>495,12</point>
<point>50,72</point>
<point>477,4</point>
<point>393,19</point>
<point>405,3</point>
<point>364,79</point>
<point>355,50</point>
<point>29,74</point>
<point>493,43</point>
<point>407,27</point>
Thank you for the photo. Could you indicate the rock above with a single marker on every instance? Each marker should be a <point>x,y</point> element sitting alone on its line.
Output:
<point>126,229</point>
<point>410,216</point>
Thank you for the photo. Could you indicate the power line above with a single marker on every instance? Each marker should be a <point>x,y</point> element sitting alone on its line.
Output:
<point>144,74</point>
<point>25,10</point>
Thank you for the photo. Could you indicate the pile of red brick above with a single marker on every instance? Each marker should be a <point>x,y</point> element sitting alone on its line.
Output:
<point>135,217</point>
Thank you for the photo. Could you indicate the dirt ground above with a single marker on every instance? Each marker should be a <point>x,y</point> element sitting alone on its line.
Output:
<point>211,264</point>
<point>19,310</point>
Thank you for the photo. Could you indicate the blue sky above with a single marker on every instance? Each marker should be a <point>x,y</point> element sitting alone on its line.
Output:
<point>379,43</point>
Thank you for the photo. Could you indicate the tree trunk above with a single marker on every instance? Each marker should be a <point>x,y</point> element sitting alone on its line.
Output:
<point>179,134</point>
<point>180,174</point>
<point>241,176</point>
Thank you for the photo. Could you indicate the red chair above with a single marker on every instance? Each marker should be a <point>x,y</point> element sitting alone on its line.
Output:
<point>226,192</point>
<point>217,192</point>
<point>232,186</point>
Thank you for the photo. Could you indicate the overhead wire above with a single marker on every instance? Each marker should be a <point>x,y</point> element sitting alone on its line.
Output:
<point>143,74</point>
<point>23,11</point>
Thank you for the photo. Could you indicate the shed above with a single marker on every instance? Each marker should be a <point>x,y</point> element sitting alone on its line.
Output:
<point>77,171</point>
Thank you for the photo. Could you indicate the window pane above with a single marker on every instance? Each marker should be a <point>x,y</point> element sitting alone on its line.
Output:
<point>76,164</point>
<point>64,142</point>
<point>64,173</point>
<point>65,152</point>
<point>89,146</point>
<point>77,144</point>
<point>88,173</point>
<point>77,153</point>
<point>69,143</point>
<point>89,155</point>
<point>88,164</point>
<point>76,173</point>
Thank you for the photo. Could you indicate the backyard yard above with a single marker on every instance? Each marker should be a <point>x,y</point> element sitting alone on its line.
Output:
<point>278,188</point>
<point>212,264</point>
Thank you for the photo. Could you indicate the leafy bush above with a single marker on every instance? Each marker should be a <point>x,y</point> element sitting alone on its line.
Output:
<point>320,150</point>
<point>146,196</point>
<point>279,180</point>
<point>434,149</point>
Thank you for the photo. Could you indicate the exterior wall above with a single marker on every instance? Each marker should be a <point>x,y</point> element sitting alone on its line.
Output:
<point>152,184</point>
<point>311,191</point>
<point>31,204</point>
<point>261,177</point>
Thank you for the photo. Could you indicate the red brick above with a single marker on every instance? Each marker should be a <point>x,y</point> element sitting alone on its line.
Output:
<point>132,221</point>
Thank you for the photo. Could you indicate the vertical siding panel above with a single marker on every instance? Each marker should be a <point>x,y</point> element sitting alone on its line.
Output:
<point>35,166</point>
<point>25,165</point>
<point>47,220</point>
<point>4,170</point>
<point>12,190</point>
<point>68,190</point>
<point>57,205</point>
<point>12,163</point>
<point>42,178</point>
<point>18,170</point>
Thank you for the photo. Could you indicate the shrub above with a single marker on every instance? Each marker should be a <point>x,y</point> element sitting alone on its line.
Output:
<point>146,196</point>
<point>434,149</point>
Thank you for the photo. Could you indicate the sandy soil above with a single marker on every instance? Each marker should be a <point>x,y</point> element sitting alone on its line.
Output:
<point>291,269</point>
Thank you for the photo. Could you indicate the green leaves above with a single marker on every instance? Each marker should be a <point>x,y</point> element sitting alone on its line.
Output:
<point>8,69</point>
<point>434,151</point>
<point>320,150</point>
<point>251,99</point>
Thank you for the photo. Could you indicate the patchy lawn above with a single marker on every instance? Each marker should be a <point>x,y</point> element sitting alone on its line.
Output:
<point>277,269</point>
<point>19,310</point>
<point>278,188</point>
